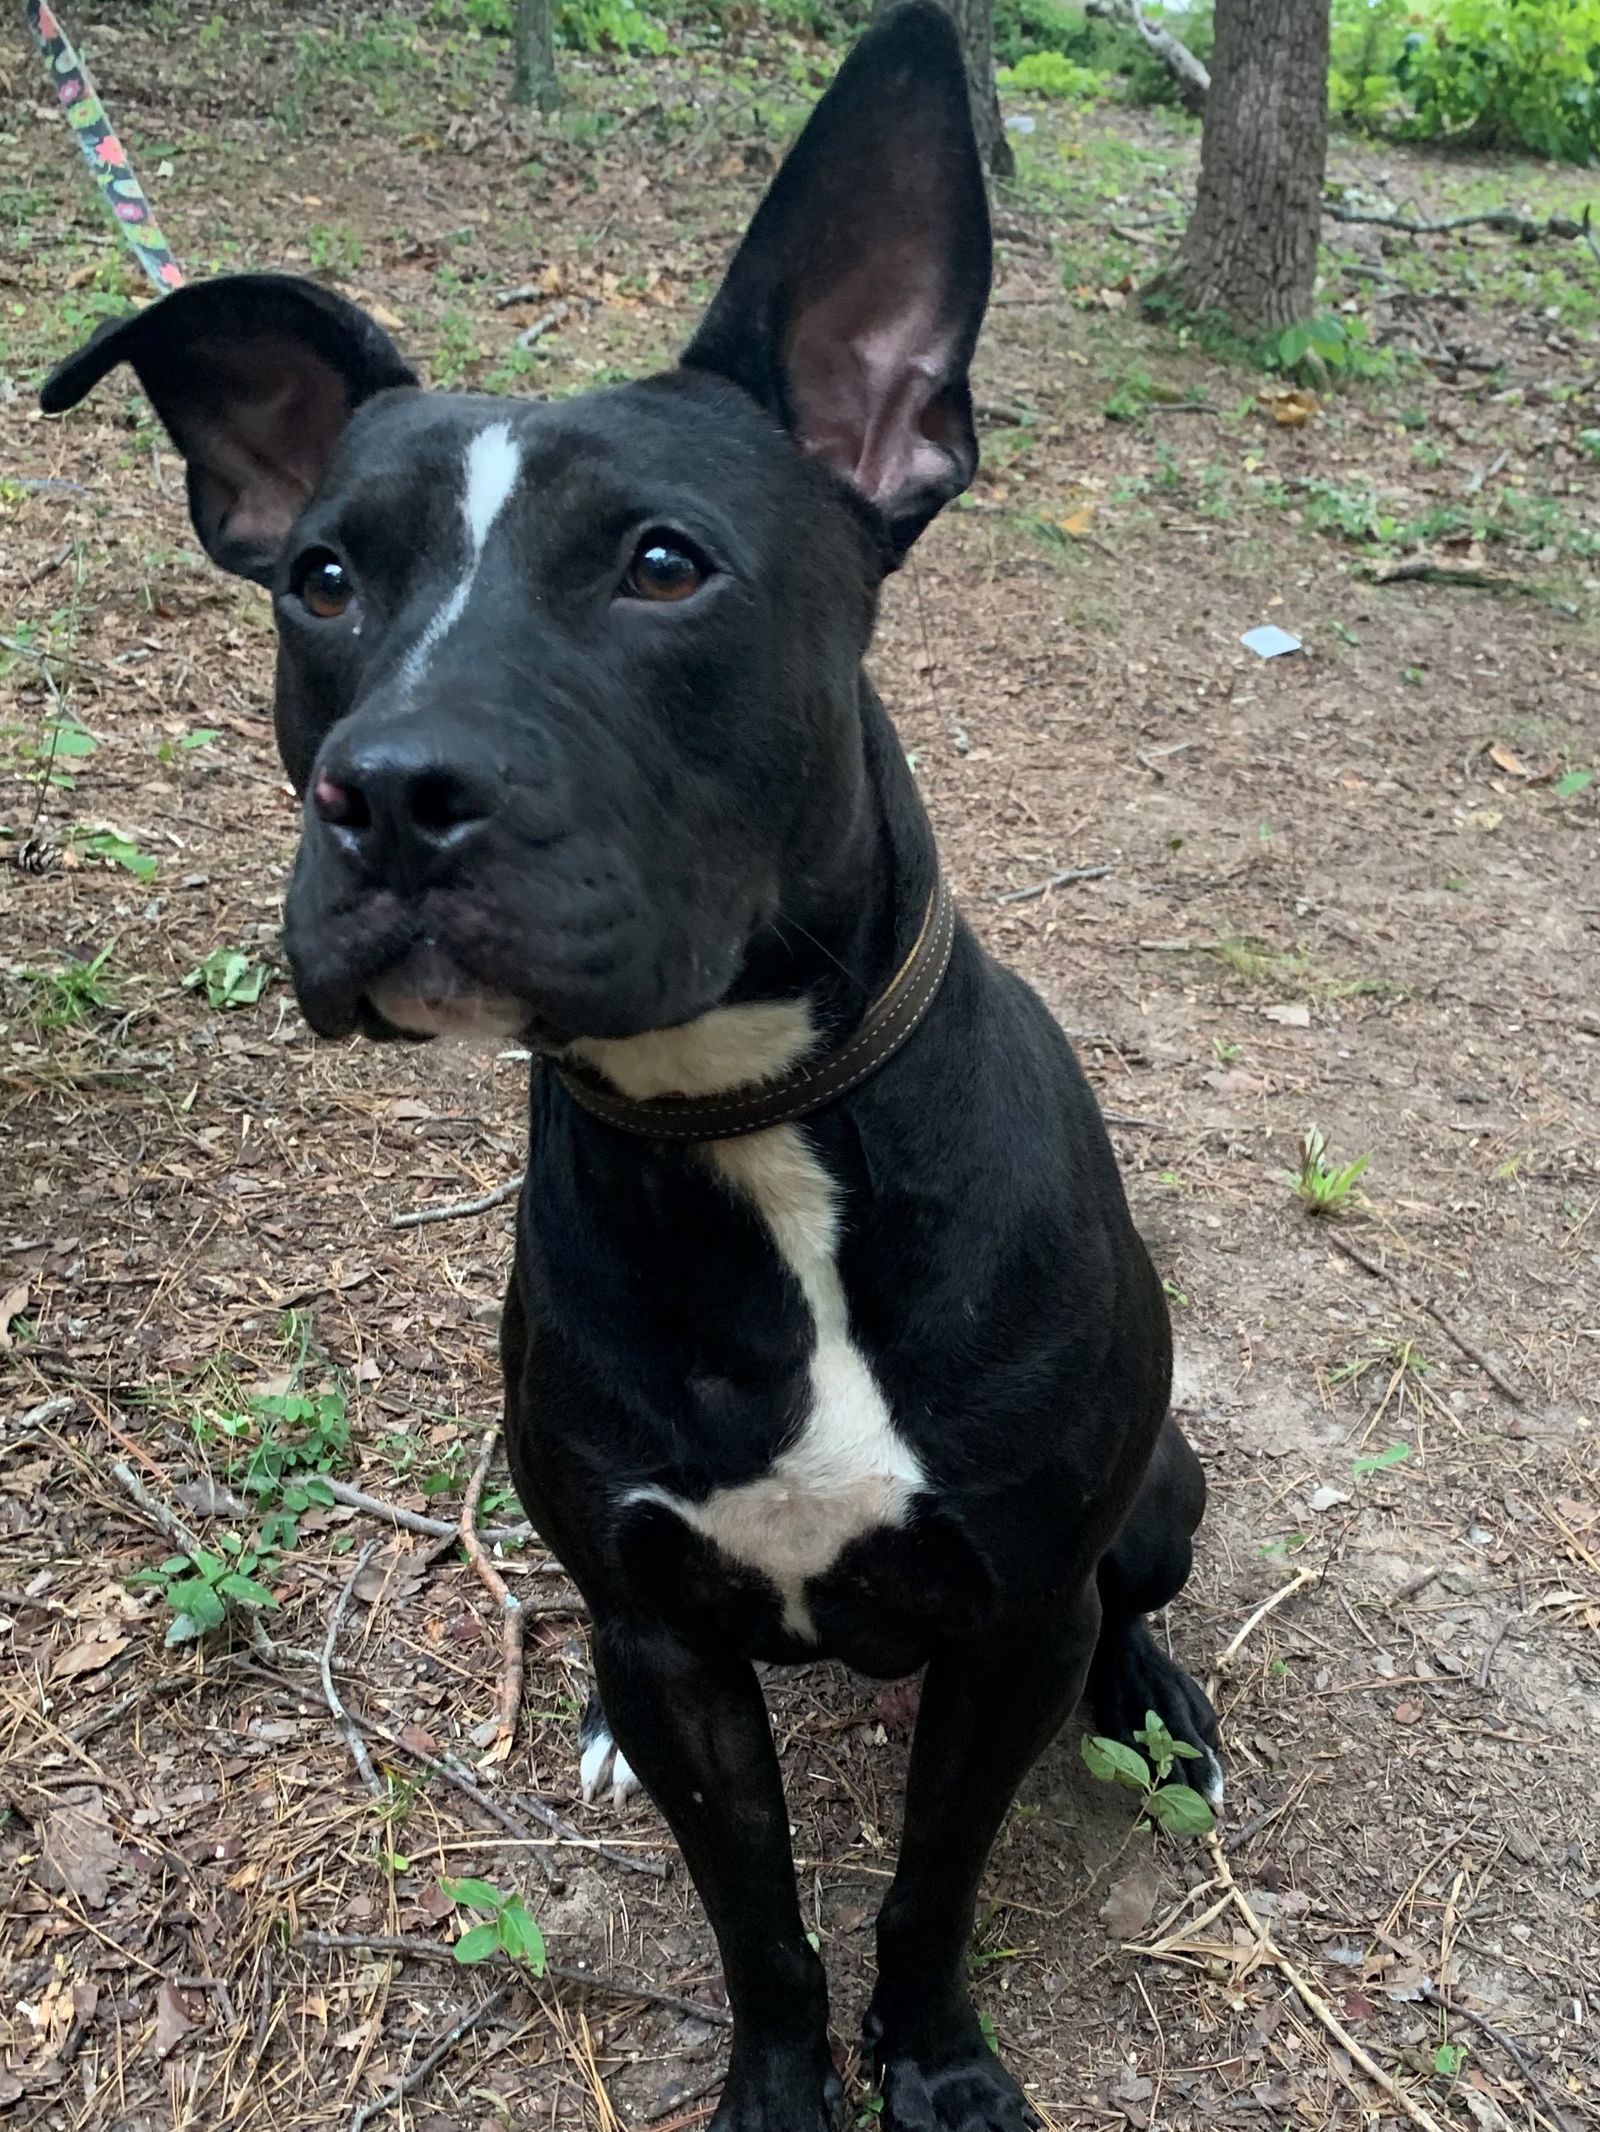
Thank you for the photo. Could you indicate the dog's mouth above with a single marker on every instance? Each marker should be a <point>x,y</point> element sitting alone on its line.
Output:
<point>427,993</point>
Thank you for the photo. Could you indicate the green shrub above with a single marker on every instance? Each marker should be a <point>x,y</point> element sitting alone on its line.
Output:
<point>1367,42</point>
<point>582,25</point>
<point>1053,74</point>
<point>1508,74</point>
<point>1030,29</point>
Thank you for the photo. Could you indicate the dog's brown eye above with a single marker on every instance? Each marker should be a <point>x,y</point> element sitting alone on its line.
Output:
<point>664,569</point>
<point>324,586</point>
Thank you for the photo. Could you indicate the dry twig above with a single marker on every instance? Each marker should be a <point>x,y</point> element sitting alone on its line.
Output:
<point>412,1948</point>
<point>441,2050</point>
<point>1312,1999</point>
<point>341,1717</point>
<point>456,1207</point>
<point>437,1528</point>
<point>1381,1272</point>
<point>1297,1583</point>
<point>1509,2044</point>
<point>1039,888</point>
<point>511,1615</point>
<point>1527,229</point>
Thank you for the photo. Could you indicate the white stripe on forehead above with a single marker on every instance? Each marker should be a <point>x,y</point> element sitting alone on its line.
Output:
<point>493,460</point>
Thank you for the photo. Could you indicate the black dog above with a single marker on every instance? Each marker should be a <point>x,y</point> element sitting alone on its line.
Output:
<point>829,1333</point>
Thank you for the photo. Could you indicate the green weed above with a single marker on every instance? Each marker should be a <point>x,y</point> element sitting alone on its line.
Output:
<point>1322,1187</point>
<point>203,1593</point>
<point>230,977</point>
<point>61,998</point>
<point>509,1927</point>
<point>1177,1808</point>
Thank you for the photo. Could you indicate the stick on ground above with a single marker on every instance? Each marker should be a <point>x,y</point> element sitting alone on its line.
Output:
<point>1380,1272</point>
<point>454,1208</point>
<point>330,1694</point>
<point>512,1626</point>
<point>412,1948</point>
<point>441,2050</point>
<point>1312,1999</point>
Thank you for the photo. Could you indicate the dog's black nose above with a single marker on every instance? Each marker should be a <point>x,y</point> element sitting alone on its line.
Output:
<point>402,812</point>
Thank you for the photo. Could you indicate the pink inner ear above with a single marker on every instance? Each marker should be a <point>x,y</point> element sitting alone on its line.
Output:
<point>867,366</point>
<point>263,442</point>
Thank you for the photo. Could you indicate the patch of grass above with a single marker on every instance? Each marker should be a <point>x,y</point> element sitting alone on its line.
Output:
<point>64,997</point>
<point>1325,1188</point>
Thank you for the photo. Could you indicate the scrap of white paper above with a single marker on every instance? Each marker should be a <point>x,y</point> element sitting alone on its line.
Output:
<point>1269,641</point>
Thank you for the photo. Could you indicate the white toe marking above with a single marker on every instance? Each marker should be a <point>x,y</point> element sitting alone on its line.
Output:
<point>594,1764</point>
<point>623,1781</point>
<point>491,465</point>
<point>1211,1789</point>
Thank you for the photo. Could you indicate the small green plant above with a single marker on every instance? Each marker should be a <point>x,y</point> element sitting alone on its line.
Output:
<point>1448,2060</point>
<point>116,850</point>
<point>1380,1461</point>
<point>60,998</point>
<point>171,751</point>
<point>289,1442</point>
<point>335,248</point>
<point>1324,1187</point>
<point>1574,782</point>
<point>232,977</point>
<point>202,1593</point>
<point>509,1927</point>
<point>1177,1808</point>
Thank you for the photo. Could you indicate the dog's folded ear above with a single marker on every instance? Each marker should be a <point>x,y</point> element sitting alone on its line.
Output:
<point>852,307</point>
<point>254,377</point>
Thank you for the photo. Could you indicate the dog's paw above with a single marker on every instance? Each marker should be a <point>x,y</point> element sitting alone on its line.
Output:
<point>780,2090</point>
<point>971,2093</point>
<point>601,1762</point>
<point>1138,1678</point>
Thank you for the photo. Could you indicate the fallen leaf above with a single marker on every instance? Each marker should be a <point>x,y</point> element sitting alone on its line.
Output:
<point>1511,764</point>
<point>88,1656</point>
<point>1077,523</point>
<point>79,1852</point>
<point>1327,1498</point>
<point>206,1497</point>
<point>1407,1713</point>
<point>1291,405</point>
<point>434,1900</point>
<point>1290,1017</point>
<point>1131,1903</point>
<point>12,1304</point>
<point>172,2020</point>
<point>393,1573</point>
<point>1235,1082</point>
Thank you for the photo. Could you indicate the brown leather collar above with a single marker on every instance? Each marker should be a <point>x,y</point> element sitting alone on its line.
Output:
<point>807,1087</point>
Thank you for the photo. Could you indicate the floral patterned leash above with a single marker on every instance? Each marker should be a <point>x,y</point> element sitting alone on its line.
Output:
<point>104,153</point>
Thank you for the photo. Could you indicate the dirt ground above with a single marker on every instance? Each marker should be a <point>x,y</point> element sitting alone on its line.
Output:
<point>1355,887</point>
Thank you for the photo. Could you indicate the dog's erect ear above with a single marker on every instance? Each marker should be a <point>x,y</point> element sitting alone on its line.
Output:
<point>254,376</point>
<point>852,308</point>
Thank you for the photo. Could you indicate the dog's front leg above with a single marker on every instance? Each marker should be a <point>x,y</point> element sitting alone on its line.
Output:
<point>990,1706</point>
<point>695,1730</point>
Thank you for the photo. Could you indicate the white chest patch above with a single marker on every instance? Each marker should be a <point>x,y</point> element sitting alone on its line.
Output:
<point>849,1471</point>
<point>492,463</point>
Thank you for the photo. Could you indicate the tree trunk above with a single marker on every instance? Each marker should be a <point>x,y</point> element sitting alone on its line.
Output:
<point>533,36</point>
<point>1250,251</point>
<point>974,21</point>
